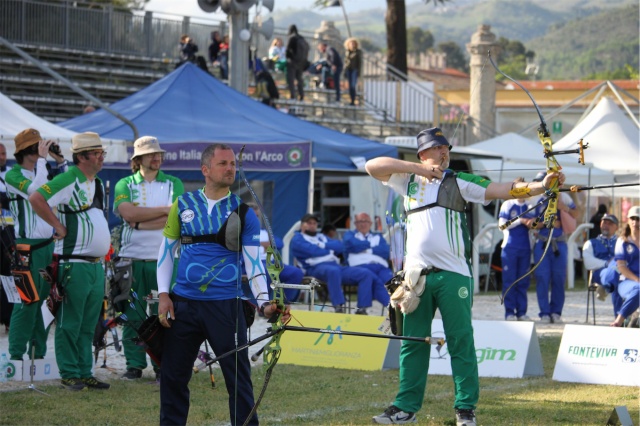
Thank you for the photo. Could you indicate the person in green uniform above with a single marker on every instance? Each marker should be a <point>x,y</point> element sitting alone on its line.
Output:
<point>23,179</point>
<point>82,240</point>
<point>438,265</point>
<point>143,201</point>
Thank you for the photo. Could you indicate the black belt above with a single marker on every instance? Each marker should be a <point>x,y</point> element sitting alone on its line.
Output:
<point>195,239</point>
<point>429,270</point>
<point>79,257</point>
<point>138,260</point>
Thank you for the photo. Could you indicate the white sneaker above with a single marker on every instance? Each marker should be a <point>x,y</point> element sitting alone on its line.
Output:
<point>524,318</point>
<point>395,416</point>
<point>465,417</point>
<point>545,319</point>
<point>511,318</point>
<point>556,319</point>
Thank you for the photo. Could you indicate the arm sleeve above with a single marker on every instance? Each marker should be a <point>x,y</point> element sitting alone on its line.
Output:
<point>256,273</point>
<point>121,194</point>
<point>354,245</point>
<point>302,249</point>
<point>166,257</point>
<point>382,249</point>
<point>590,261</point>
<point>334,245</point>
<point>41,176</point>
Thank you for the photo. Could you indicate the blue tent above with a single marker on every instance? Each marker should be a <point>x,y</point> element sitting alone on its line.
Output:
<point>189,109</point>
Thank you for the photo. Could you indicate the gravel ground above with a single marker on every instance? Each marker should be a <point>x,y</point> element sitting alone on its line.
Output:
<point>486,307</point>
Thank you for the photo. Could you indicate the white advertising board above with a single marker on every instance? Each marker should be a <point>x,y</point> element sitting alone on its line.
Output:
<point>503,349</point>
<point>599,355</point>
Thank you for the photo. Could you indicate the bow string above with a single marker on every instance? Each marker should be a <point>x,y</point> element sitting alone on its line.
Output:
<point>552,165</point>
<point>272,350</point>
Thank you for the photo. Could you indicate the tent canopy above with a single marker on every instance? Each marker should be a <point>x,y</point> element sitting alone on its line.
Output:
<point>189,110</point>
<point>190,106</point>
<point>614,140</point>
<point>527,161</point>
<point>16,118</point>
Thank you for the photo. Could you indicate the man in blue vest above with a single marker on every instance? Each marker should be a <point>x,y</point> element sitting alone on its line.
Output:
<point>597,253</point>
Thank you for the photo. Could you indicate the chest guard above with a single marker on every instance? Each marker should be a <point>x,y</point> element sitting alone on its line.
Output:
<point>227,236</point>
<point>449,195</point>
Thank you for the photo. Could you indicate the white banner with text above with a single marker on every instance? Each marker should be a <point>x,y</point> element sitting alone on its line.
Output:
<point>599,355</point>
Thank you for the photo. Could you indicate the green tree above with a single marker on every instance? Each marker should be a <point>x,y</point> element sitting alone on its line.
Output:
<point>455,55</point>
<point>513,59</point>
<point>418,40</point>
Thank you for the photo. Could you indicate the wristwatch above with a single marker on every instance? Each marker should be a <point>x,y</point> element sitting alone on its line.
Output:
<point>263,307</point>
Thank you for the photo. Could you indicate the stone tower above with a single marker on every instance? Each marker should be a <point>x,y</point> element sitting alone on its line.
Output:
<point>482,99</point>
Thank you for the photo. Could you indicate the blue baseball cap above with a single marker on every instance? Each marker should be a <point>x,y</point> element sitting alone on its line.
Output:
<point>431,137</point>
<point>611,218</point>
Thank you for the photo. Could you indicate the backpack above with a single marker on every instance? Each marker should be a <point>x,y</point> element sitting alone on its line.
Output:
<point>301,53</point>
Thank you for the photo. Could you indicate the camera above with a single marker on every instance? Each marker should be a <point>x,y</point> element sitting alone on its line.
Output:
<point>55,149</point>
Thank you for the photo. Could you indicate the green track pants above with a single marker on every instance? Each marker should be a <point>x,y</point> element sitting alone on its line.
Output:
<point>83,285</point>
<point>452,294</point>
<point>27,326</point>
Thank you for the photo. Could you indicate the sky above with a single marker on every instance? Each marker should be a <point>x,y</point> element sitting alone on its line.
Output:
<point>191,8</point>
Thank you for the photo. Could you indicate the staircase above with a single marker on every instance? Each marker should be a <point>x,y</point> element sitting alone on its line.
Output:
<point>107,76</point>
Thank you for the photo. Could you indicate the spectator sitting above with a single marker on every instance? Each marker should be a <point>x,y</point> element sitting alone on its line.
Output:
<point>598,253</point>
<point>627,258</point>
<point>335,63</point>
<point>316,253</point>
<point>368,249</point>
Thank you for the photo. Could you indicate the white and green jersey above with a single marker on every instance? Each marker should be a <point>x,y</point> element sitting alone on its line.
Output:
<point>87,231</point>
<point>163,191</point>
<point>437,236</point>
<point>20,184</point>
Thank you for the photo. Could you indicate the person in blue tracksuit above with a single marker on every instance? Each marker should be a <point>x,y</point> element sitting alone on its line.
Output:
<point>369,250</point>
<point>552,271</point>
<point>317,255</point>
<point>516,258</point>
<point>597,254</point>
<point>627,257</point>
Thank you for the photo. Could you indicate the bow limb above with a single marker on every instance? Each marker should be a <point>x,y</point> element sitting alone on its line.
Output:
<point>272,349</point>
<point>552,166</point>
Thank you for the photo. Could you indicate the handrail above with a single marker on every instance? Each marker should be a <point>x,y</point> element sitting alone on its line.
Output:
<point>69,84</point>
<point>379,68</point>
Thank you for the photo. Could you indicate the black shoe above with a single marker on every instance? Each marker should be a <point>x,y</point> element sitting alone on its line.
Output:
<point>361,311</point>
<point>72,384</point>
<point>93,383</point>
<point>339,309</point>
<point>394,416</point>
<point>465,417</point>
<point>132,374</point>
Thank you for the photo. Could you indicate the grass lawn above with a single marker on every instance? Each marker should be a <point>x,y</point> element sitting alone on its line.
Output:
<point>322,396</point>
